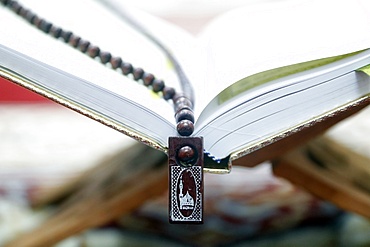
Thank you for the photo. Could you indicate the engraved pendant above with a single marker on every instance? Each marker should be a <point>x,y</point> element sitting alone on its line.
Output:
<point>185,159</point>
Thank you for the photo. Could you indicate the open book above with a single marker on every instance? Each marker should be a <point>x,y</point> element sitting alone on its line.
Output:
<point>259,72</point>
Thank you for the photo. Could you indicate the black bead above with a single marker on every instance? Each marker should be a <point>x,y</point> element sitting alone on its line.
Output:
<point>177,97</point>
<point>157,85</point>
<point>185,128</point>
<point>181,102</point>
<point>126,68</point>
<point>105,57</point>
<point>93,51</point>
<point>36,21</point>
<point>55,31</point>
<point>66,35</point>
<point>148,79</point>
<point>186,154</point>
<point>45,26</point>
<point>15,6</point>
<point>30,16</point>
<point>138,73</point>
<point>83,45</point>
<point>74,40</point>
<point>116,62</point>
<point>184,114</point>
<point>168,93</point>
<point>23,12</point>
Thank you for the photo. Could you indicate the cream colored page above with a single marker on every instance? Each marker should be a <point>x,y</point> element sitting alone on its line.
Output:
<point>98,25</point>
<point>271,34</point>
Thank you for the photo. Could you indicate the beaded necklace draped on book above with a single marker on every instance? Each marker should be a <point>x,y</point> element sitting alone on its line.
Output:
<point>272,87</point>
<point>186,153</point>
<point>183,102</point>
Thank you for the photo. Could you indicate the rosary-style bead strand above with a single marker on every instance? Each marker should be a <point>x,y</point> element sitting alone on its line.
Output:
<point>184,114</point>
<point>183,107</point>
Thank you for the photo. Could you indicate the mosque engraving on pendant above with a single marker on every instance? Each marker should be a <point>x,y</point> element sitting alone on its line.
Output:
<point>186,198</point>
<point>187,194</point>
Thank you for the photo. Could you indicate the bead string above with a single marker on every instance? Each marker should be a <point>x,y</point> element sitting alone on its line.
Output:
<point>183,104</point>
<point>124,15</point>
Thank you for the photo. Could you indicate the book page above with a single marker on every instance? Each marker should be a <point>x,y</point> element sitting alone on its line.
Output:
<point>93,22</point>
<point>275,34</point>
<point>261,36</point>
<point>271,34</point>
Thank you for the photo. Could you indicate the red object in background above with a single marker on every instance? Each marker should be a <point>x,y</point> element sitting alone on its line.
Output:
<point>12,93</point>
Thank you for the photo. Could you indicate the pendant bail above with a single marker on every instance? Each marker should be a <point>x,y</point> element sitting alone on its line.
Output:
<point>185,160</point>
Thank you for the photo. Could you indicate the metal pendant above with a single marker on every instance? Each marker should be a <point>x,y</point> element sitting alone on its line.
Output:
<point>185,159</point>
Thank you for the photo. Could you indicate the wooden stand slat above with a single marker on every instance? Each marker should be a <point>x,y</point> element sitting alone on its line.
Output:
<point>299,170</point>
<point>114,188</point>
